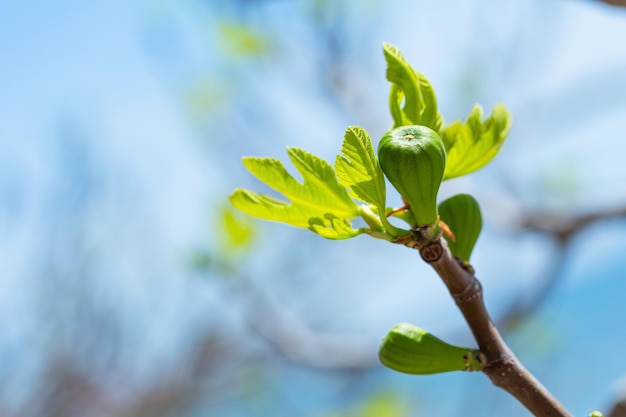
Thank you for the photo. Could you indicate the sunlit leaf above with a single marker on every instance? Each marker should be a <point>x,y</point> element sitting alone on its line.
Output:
<point>473,144</point>
<point>332,227</point>
<point>411,88</point>
<point>319,203</point>
<point>358,169</point>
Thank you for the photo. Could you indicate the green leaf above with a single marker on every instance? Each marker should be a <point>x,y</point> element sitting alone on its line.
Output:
<point>358,169</point>
<point>413,350</point>
<point>320,203</point>
<point>462,214</point>
<point>411,88</point>
<point>473,144</point>
<point>332,227</point>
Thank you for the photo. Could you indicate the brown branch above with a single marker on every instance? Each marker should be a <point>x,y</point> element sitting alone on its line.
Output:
<point>502,367</point>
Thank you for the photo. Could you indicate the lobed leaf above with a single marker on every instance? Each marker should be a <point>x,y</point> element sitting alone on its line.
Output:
<point>473,144</point>
<point>358,169</point>
<point>320,203</point>
<point>332,227</point>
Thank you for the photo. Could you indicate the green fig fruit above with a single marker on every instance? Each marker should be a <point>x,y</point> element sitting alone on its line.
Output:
<point>412,350</point>
<point>413,158</point>
<point>462,215</point>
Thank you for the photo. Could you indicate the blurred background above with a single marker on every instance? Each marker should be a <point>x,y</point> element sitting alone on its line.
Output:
<point>128,287</point>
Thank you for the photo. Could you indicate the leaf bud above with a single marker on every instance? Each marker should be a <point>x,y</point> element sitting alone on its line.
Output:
<point>461,214</point>
<point>413,350</point>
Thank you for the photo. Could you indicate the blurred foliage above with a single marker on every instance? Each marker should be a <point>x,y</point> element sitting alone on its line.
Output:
<point>234,235</point>
<point>208,96</point>
<point>561,181</point>
<point>237,231</point>
<point>385,404</point>
<point>234,43</point>
<point>240,41</point>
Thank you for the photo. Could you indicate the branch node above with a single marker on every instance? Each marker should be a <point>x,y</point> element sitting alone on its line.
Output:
<point>432,252</point>
<point>471,291</point>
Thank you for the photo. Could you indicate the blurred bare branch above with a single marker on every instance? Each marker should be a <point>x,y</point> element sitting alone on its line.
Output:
<point>291,336</point>
<point>619,3</point>
<point>299,343</point>
<point>619,408</point>
<point>562,229</point>
<point>523,306</point>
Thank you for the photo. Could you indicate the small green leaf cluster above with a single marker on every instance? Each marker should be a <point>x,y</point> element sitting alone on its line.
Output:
<point>416,155</point>
<point>417,174</point>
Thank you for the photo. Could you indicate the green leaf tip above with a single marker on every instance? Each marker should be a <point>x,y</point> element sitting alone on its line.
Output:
<point>462,215</point>
<point>596,414</point>
<point>413,350</point>
<point>320,203</point>
<point>473,144</point>
<point>412,89</point>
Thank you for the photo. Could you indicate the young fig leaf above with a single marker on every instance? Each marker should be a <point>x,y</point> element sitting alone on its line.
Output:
<point>358,169</point>
<point>473,144</point>
<point>413,158</point>
<point>412,89</point>
<point>462,215</point>
<point>320,203</point>
<point>413,350</point>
